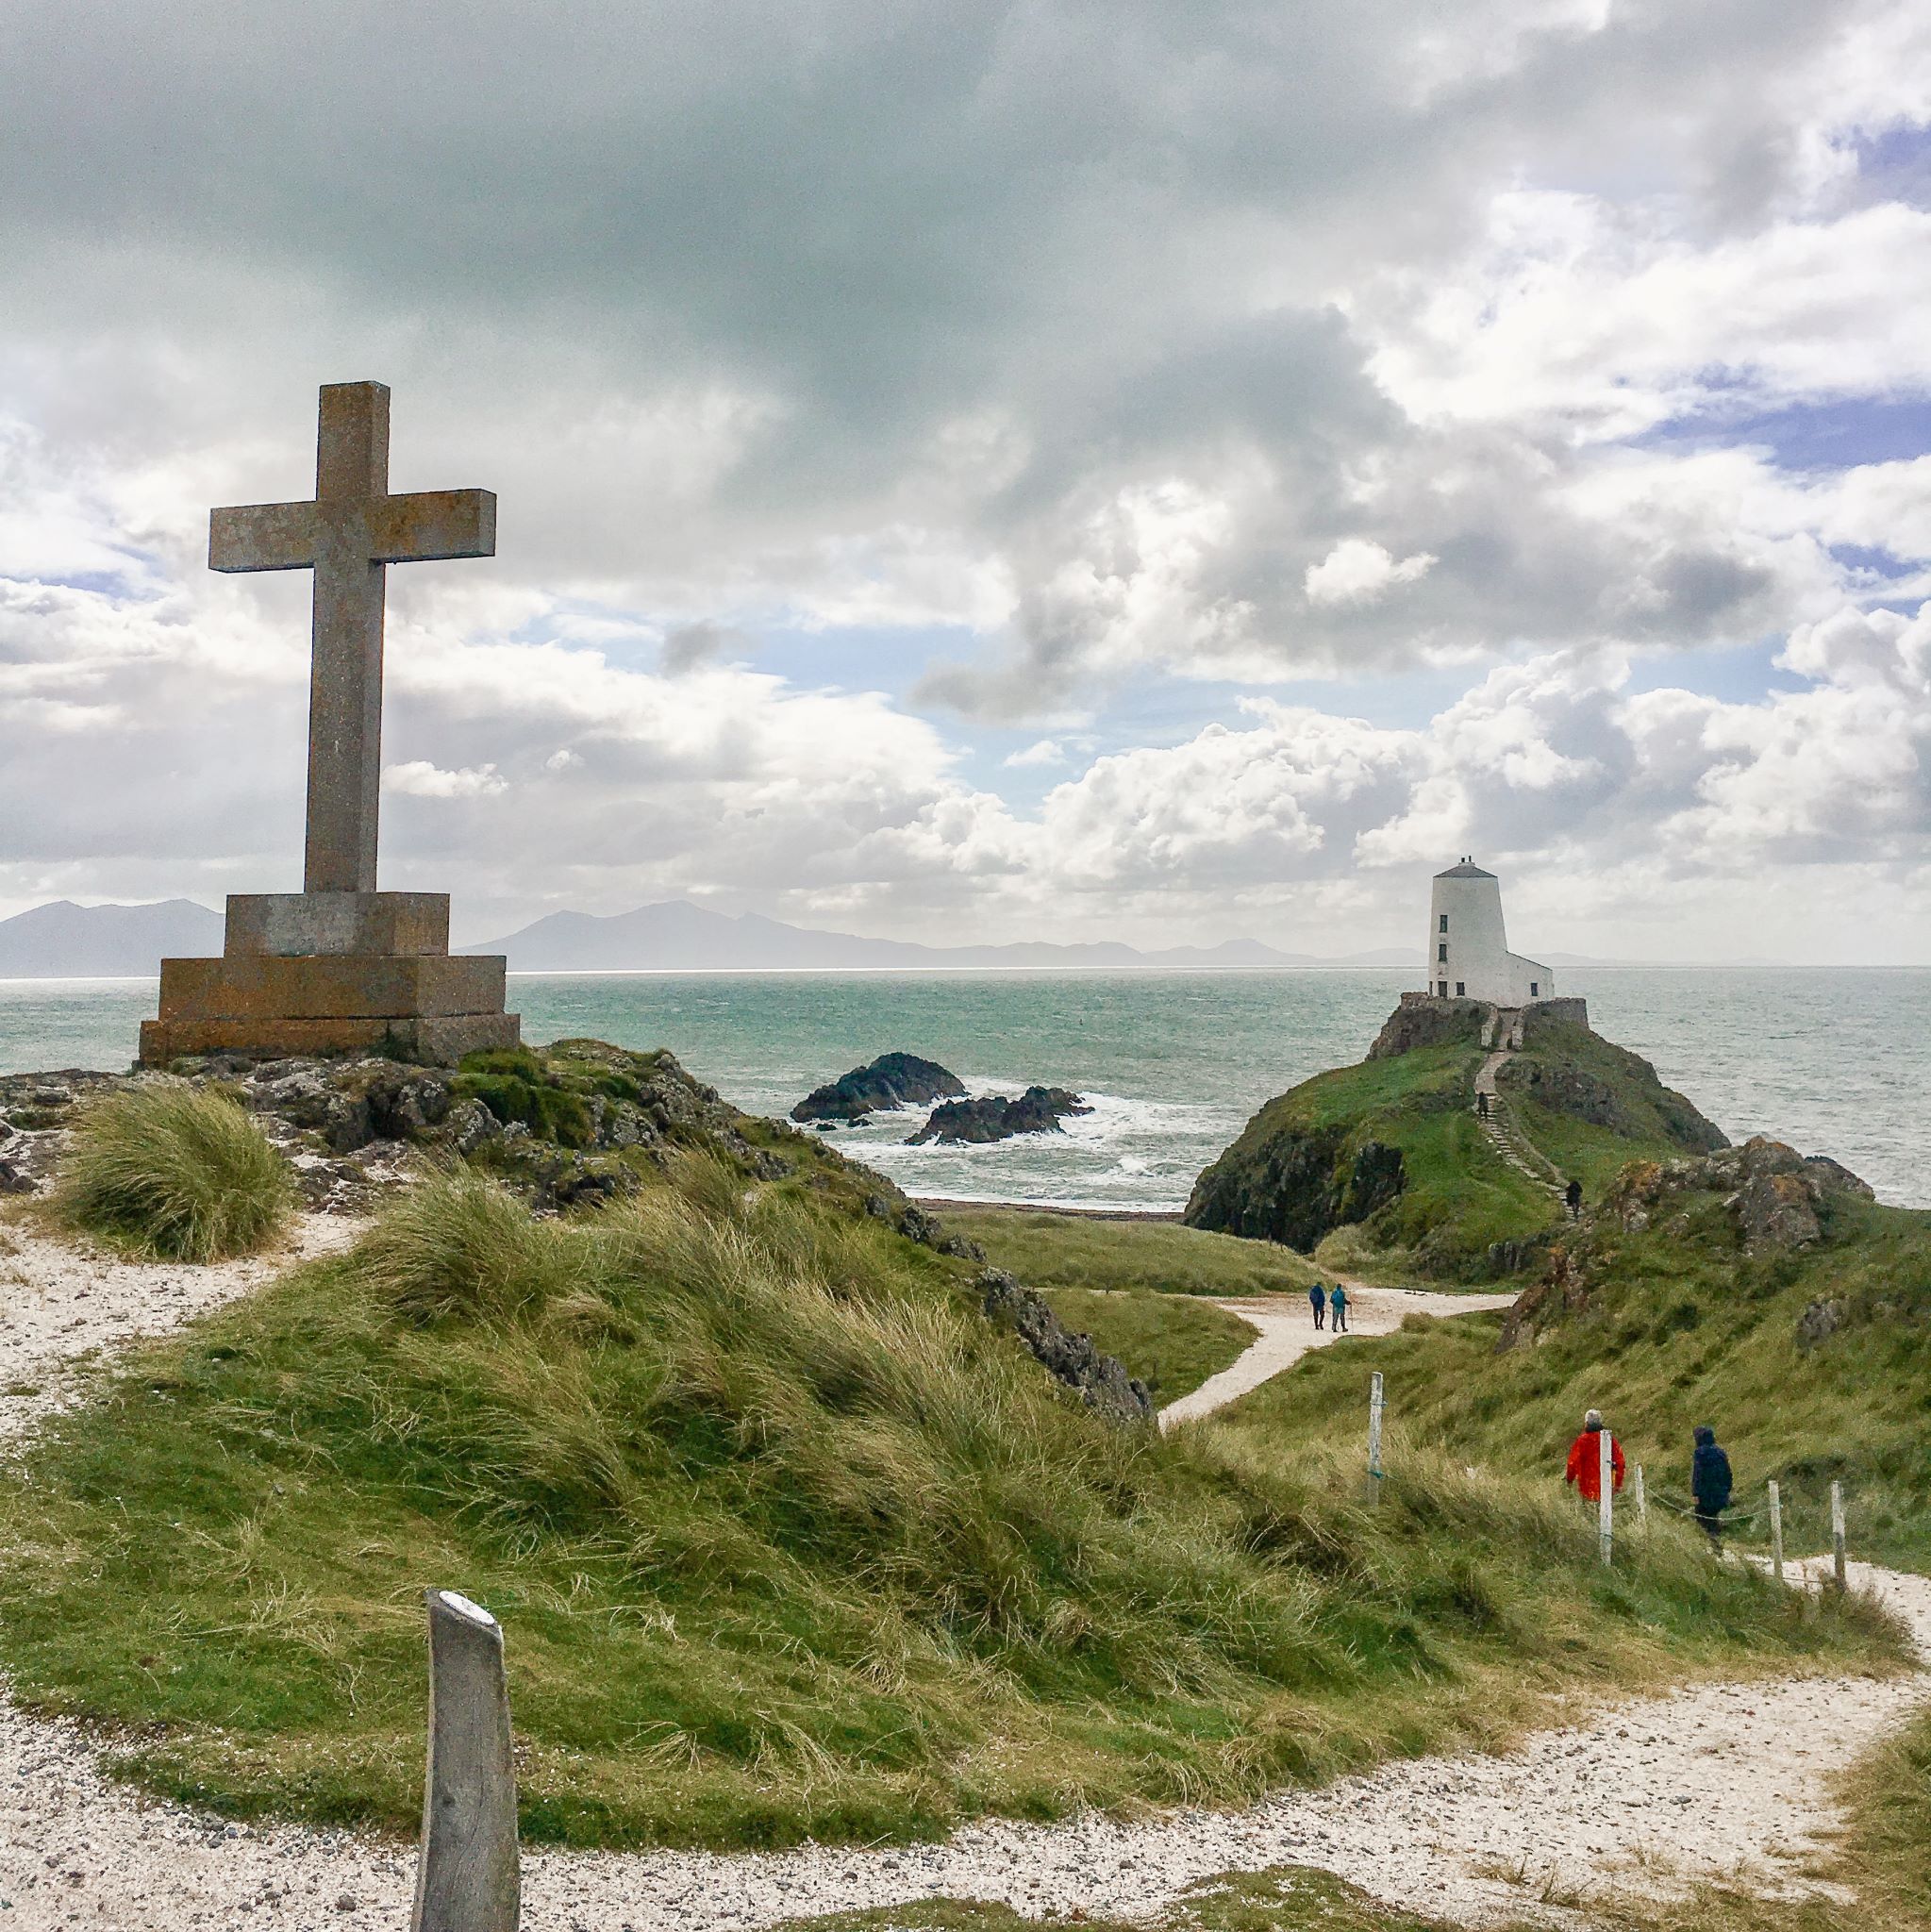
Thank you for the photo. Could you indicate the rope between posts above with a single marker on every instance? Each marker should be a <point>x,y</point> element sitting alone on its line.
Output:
<point>1728,1514</point>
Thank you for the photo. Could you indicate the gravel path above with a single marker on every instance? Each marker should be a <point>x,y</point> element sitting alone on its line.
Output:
<point>60,1302</point>
<point>1288,1332</point>
<point>1646,1795</point>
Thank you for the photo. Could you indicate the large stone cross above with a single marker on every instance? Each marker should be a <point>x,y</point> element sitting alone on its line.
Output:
<point>345,536</point>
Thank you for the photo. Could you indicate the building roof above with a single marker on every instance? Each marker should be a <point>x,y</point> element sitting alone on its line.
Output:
<point>1468,869</point>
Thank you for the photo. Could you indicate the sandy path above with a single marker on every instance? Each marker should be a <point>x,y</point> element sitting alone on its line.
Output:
<point>1288,1332</point>
<point>1644,1794</point>
<point>59,1302</point>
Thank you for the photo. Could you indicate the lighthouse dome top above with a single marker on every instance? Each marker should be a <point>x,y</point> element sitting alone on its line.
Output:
<point>1467,869</point>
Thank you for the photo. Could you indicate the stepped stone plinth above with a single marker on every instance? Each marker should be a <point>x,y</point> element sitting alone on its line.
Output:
<point>328,972</point>
<point>339,966</point>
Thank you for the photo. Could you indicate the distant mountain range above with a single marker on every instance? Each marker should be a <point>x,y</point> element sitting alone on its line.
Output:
<point>68,942</point>
<point>64,940</point>
<point>679,937</point>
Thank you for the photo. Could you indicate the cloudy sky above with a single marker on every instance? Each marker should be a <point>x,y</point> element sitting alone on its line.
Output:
<point>1055,470</point>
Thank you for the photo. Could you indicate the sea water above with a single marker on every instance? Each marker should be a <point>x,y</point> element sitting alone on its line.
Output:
<point>1172,1064</point>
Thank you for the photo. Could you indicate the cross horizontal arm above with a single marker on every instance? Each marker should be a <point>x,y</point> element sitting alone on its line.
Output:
<point>428,524</point>
<point>262,535</point>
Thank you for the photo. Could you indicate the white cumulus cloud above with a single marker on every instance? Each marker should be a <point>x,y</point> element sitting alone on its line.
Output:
<point>1357,571</point>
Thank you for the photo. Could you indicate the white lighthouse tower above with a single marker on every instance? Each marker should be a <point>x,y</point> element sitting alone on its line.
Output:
<point>1468,951</point>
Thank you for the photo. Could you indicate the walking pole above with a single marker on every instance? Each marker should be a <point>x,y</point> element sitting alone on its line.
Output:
<point>1375,1472</point>
<point>1605,1507</point>
<point>1776,1534</point>
<point>1837,1531</point>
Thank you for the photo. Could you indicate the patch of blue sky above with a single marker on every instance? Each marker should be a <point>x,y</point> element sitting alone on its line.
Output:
<point>1839,434</point>
<point>1732,674</point>
<point>1896,162</point>
<point>142,580</point>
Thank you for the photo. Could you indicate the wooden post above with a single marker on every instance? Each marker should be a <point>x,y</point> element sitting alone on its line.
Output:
<point>1375,1407</point>
<point>1641,1504</point>
<point>1836,1533</point>
<point>468,1878</point>
<point>1606,1488</point>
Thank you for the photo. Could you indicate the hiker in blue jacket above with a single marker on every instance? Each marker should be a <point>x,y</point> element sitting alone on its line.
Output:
<point>1317,1297</point>
<point>1709,1482</point>
<point>1337,1307</point>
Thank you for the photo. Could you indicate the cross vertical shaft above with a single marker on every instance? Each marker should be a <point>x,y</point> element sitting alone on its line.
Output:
<point>345,672</point>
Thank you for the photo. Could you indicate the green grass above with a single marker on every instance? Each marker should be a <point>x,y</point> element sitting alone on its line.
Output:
<point>787,1539</point>
<point>1312,1168</point>
<point>1171,1343</point>
<point>1283,1899</point>
<point>1679,1327</point>
<point>1047,1250</point>
<point>1291,1170</point>
<point>175,1174</point>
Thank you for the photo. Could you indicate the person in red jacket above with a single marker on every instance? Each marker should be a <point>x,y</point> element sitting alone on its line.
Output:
<point>1585,1471</point>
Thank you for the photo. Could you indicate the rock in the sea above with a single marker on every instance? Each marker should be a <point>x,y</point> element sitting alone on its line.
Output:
<point>893,1080</point>
<point>1038,1110</point>
<point>1102,1380</point>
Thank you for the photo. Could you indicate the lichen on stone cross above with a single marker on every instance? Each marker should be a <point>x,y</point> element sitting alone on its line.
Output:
<point>346,535</point>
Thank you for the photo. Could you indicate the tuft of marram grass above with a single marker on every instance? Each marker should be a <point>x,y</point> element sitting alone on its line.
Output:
<point>177,1172</point>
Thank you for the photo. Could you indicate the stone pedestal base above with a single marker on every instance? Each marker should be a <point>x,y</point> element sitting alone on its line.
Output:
<point>332,973</point>
<point>439,1041</point>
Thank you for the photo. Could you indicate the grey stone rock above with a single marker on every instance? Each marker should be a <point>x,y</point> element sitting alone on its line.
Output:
<point>891,1081</point>
<point>470,1125</point>
<point>403,1101</point>
<point>1101,1381</point>
<point>1819,1323</point>
<point>994,1117</point>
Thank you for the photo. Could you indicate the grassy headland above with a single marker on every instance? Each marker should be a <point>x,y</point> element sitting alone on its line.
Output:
<point>787,1537</point>
<point>1811,1362</point>
<point>1387,1165</point>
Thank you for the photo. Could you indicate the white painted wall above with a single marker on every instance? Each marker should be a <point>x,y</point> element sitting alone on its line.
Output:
<point>1468,949</point>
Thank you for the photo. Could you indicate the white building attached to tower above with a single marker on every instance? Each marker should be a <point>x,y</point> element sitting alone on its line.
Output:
<point>1468,951</point>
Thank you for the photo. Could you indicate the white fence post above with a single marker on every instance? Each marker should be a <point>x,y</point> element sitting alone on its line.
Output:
<point>1837,1532</point>
<point>1375,1407</point>
<point>1605,1487</point>
<point>1776,1534</point>
<point>1642,1503</point>
<point>468,1879</point>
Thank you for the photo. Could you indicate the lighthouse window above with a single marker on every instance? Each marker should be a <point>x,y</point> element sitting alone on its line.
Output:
<point>1442,987</point>
<point>1444,922</point>
<point>1535,989</point>
<point>1441,955</point>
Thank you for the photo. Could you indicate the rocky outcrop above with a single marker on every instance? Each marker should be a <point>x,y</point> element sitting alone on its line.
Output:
<point>1774,1196</point>
<point>1764,1197</point>
<point>994,1117</point>
<point>1422,1019</point>
<point>894,1080</point>
<point>1296,1187</point>
<point>1101,1381</point>
<point>571,1125</point>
